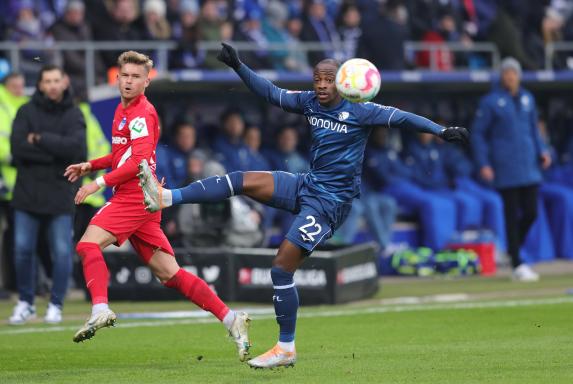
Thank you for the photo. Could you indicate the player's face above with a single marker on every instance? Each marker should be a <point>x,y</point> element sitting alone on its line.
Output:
<point>52,85</point>
<point>132,80</point>
<point>323,83</point>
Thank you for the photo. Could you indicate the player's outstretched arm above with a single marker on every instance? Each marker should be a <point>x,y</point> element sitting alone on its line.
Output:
<point>393,117</point>
<point>289,101</point>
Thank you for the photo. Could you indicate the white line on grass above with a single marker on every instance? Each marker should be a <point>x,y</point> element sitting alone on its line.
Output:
<point>268,313</point>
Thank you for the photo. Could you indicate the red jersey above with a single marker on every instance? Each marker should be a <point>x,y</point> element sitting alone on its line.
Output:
<point>135,132</point>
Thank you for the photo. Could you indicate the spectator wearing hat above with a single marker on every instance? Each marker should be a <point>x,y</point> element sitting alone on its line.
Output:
<point>510,154</point>
<point>155,21</point>
<point>72,27</point>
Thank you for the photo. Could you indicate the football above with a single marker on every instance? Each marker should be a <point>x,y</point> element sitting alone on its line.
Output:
<point>358,80</point>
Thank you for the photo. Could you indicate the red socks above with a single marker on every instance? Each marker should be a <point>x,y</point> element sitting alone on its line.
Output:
<point>95,271</point>
<point>196,290</point>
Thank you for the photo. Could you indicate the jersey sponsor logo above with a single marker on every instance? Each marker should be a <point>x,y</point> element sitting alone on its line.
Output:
<point>327,124</point>
<point>119,140</point>
<point>343,116</point>
<point>294,92</point>
<point>122,123</point>
<point>138,128</point>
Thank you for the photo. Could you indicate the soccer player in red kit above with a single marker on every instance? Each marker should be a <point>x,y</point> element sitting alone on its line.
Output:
<point>135,133</point>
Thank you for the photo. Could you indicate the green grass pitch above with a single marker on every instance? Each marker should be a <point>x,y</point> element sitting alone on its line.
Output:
<point>501,332</point>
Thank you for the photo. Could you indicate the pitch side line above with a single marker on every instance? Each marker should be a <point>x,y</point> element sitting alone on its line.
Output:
<point>268,313</point>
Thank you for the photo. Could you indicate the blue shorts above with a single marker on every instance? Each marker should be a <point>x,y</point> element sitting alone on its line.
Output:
<point>316,216</point>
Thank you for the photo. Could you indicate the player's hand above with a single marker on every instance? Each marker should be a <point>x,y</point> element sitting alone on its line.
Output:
<point>457,135</point>
<point>545,160</point>
<point>75,171</point>
<point>85,191</point>
<point>487,174</point>
<point>229,56</point>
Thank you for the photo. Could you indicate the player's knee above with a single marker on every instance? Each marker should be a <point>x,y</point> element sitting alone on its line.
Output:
<point>83,248</point>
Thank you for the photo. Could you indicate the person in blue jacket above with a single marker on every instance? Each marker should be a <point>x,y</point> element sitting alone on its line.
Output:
<point>509,153</point>
<point>229,147</point>
<point>385,171</point>
<point>461,170</point>
<point>172,159</point>
<point>320,198</point>
<point>430,173</point>
<point>285,156</point>
<point>252,139</point>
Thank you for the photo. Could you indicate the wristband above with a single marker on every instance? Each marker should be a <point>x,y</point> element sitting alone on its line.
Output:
<point>100,182</point>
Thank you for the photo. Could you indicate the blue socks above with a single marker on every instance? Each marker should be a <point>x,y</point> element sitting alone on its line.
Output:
<point>285,300</point>
<point>210,190</point>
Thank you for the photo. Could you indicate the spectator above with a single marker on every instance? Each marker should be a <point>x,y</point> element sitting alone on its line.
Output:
<point>274,27</point>
<point>118,25</point>
<point>430,174</point>
<point>509,153</point>
<point>186,32</point>
<point>252,138</point>
<point>318,26</point>
<point>461,170</point>
<point>383,37</point>
<point>348,25</point>
<point>286,157</point>
<point>250,31</point>
<point>11,98</point>
<point>155,21</point>
<point>48,134</point>
<point>231,222</point>
<point>73,27</point>
<point>213,27</point>
<point>27,27</point>
<point>229,147</point>
<point>172,159</point>
<point>384,171</point>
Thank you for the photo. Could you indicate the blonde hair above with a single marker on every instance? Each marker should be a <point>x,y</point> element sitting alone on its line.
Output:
<point>132,57</point>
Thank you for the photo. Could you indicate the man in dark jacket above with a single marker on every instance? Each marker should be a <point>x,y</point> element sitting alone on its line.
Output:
<point>48,133</point>
<point>509,153</point>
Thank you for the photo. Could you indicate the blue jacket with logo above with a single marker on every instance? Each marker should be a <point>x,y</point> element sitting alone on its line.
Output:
<point>505,136</point>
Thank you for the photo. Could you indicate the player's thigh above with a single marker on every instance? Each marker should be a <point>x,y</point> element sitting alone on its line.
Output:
<point>309,229</point>
<point>98,235</point>
<point>258,185</point>
<point>148,239</point>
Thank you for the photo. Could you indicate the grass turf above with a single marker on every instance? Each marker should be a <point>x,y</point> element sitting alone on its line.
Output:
<point>445,344</point>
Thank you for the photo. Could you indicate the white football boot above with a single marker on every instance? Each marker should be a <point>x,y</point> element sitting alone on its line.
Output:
<point>53,314</point>
<point>23,311</point>
<point>239,332</point>
<point>524,273</point>
<point>151,187</point>
<point>105,318</point>
<point>273,358</point>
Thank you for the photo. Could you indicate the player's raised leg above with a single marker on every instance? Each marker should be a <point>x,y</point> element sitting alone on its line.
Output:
<point>171,275</point>
<point>285,300</point>
<point>96,275</point>
<point>257,185</point>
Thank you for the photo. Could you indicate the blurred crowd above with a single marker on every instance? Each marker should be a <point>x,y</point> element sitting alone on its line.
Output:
<point>373,29</point>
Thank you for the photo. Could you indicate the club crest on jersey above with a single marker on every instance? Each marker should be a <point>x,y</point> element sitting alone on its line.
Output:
<point>138,128</point>
<point>343,116</point>
<point>122,123</point>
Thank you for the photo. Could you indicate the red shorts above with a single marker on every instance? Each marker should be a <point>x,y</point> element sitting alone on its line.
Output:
<point>126,220</point>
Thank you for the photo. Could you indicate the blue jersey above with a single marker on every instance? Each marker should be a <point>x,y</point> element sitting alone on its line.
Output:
<point>339,134</point>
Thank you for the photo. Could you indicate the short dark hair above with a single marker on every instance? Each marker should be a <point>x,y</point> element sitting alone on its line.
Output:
<point>10,76</point>
<point>231,111</point>
<point>334,62</point>
<point>48,68</point>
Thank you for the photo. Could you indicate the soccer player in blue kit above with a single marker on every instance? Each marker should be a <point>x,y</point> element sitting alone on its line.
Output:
<point>321,198</point>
